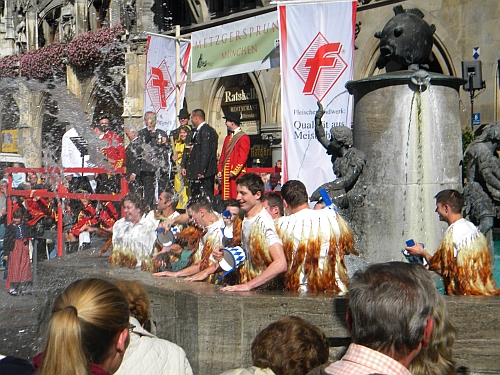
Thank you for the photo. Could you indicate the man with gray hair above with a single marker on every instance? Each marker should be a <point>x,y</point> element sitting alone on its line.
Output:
<point>389,318</point>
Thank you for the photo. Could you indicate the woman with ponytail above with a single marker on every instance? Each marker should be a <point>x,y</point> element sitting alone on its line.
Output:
<point>88,331</point>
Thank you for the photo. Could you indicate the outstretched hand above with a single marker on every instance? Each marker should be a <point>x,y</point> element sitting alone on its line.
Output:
<point>316,196</point>
<point>320,112</point>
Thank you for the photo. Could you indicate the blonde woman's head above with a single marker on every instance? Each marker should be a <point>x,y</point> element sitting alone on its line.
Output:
<point>89,324</point>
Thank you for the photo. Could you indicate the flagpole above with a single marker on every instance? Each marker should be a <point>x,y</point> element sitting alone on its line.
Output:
<point>177,37</point>
<point>178,68</point>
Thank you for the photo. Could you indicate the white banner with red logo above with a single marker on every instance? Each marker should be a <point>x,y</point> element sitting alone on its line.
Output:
<point>316,62</point>
<point>161,65</point>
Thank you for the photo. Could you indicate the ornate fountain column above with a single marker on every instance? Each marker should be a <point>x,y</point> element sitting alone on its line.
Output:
<point>408,125</point>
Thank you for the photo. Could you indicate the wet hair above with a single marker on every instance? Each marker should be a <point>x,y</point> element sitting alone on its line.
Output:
<point>185,128</point>
<point>231,203</point>
<point>252,182</point>
<point>274,200</point>
<point>136,200</point>
<point>404,294</point>
<point>290,346</point>
<point>98,126</point>
<point>294,193</point>
<point>452,198</point>
<point>137,298</point>
<point>148,113</point>
<point>18,214</point>
<point>87,318</point>
<point>436,358</point>
<point>199,202</point>
<point>171,196</point>
<point>342,134</point>
<point>200,113</point>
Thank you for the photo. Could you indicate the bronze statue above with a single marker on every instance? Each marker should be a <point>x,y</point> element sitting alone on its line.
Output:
<point>348,162</point>
<point>482,192</point>
<point>483,165</point>
<point>479,207</point>
<point>406,38</point>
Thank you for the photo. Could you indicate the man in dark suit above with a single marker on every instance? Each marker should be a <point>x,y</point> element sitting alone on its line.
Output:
<point>133,161</point>
<point>154,165</point>
<point>201,165</point>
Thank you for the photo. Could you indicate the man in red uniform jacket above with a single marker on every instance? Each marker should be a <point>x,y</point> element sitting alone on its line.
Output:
<point>233,158</point>
<point>115,153</point>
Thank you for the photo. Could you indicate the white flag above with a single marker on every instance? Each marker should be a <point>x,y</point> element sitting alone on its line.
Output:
<point>159,96</point>
<point>316,62</point>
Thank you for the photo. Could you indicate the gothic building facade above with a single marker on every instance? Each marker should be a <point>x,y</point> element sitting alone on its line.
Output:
<point>465,30</point>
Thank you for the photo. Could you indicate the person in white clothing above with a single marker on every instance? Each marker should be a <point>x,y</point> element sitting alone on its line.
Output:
<point>146,353</point>
<point>265,260</point>
<point>462,258</point>
<point>315,243</point>
<point>134,235</point>
<point>200,214</point>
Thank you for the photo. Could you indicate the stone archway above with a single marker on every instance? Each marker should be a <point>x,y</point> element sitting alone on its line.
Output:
<point>242,93</point>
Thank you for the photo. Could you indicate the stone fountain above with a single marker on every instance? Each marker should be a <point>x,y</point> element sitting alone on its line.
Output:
<point>408,124</point>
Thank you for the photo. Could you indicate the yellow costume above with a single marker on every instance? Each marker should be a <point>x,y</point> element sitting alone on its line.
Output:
<point>180,181</point>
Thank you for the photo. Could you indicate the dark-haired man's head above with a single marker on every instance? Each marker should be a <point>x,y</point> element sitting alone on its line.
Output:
<point>250,188</point>
<point>273,203</point>
<point>449,204</point>
<point>294,194</point>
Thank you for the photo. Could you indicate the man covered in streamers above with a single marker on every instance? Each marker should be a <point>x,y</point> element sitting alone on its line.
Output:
<point>462,258</point>
<point>265,261</point>
<point>134,235</point>
<point>315,243</point>
<point>201,214</point>
<point>233,158</point>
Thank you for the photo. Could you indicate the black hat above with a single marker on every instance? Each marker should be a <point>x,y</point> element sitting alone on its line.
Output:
<point>234,117</point>
<point>183,113</point>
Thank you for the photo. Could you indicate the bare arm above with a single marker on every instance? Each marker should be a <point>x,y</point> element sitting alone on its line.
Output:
<point>277,266</point>
<point>202,275</point>
<point>318,128</point>
<point>418,250</point>
<point>182,219</point>
<point>188,271</point>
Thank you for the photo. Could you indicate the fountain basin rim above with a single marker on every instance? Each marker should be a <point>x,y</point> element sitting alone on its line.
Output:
<point>401,77</point>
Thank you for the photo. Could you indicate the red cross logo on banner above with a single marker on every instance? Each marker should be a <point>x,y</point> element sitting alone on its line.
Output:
<point>320,67</point>
<point>159,86</point>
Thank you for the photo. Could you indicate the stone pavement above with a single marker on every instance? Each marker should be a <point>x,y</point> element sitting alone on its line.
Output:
<point>20,333</point>
<point>18,323</point>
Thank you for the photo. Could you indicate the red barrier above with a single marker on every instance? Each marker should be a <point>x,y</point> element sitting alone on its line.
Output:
<point>59,193</point>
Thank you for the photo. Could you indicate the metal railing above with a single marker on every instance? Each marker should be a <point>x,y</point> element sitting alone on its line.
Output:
<point>59,193</point>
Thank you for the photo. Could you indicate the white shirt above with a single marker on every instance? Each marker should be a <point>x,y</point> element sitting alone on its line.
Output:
<point>138,238</point>
<point>70,156</point>
<point>311,228</point>
<point>266,223</point>
<point>463,232</point>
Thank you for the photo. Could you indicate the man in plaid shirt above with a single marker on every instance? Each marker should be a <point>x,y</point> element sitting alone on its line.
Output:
<point>389,317</point>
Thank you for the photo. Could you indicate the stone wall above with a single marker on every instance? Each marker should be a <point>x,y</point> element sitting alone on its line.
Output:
<point>216,330</point>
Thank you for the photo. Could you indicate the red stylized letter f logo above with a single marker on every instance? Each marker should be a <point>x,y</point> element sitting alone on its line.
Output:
<point>320,60</point>
<point>161,83</point>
